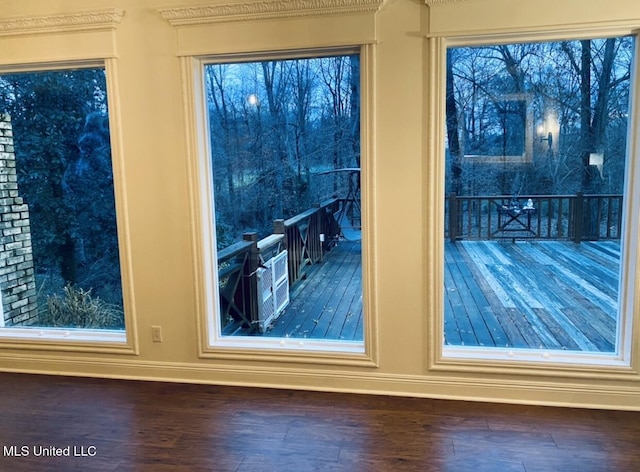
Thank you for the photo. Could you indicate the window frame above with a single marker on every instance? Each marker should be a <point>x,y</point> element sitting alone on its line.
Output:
<point>619,365</point>
<point>80,339</point>
<point>211,344</point>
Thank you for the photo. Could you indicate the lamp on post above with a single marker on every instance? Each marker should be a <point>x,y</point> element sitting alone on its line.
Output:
<point>596,159</point>
<point>548,139</point>
<point>549,130</point>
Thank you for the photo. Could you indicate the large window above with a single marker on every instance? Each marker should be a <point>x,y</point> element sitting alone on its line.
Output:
<point>286,164</point>
<point>536,164</point>
<point>59,259</point>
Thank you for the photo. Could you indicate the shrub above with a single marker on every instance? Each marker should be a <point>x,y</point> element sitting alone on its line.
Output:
<point>77,308</point>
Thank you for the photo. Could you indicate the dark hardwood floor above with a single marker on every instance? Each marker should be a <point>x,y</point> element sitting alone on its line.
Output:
<point>146,426</point>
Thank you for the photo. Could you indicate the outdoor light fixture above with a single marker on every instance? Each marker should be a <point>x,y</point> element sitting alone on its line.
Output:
<point>596,159</point>
<point>548,139</point>
<point>548,128</point>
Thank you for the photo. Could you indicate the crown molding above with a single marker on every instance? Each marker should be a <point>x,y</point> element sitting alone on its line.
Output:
<point>265,9</point>
<point>431,3</point>
<point>80,21</point>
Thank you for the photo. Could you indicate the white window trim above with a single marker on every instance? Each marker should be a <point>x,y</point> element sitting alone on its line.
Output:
<point>622,364</point>
<point>210,343</point>
<point>64,335</point>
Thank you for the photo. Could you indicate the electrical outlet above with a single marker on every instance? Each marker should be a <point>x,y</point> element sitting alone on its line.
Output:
<point>156,334</point>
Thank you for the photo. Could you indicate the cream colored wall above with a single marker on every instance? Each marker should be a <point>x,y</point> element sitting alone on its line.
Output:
<point>155,194</point>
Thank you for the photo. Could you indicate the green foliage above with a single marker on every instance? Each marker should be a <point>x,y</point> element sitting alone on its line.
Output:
<point>224,233</point>
<point>63,160</point>
<point>77,308</point>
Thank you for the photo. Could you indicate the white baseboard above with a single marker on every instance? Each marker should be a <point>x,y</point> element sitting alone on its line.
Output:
<point>578,394</point>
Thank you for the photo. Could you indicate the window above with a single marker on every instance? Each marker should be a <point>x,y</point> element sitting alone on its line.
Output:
<point>285,162</point>
<point>59,257</point>
<point>536,205</point>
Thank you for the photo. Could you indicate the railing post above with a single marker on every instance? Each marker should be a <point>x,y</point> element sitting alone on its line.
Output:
<point>250,279</point>
<point>313,233</point>
<point>578,218</point>
<point>453,217</point>
<point>280,228</point>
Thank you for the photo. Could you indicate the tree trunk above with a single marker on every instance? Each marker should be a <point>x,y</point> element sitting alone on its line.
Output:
<point>274,98</point>
<point>452,130</point>
<point>586,131</point>
<point>595,127</point>
<point>354,98</point>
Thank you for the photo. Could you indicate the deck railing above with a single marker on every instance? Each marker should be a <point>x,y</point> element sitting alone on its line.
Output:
<point>309,235</point>
<point>306,237</point>
<point>564,217</point>
<point>237,291</point>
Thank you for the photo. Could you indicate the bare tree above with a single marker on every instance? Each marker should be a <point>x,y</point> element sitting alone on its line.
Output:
<point>452,129</point>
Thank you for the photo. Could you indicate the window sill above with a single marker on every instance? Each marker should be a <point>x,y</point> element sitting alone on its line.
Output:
<point>89,340</point>
<point>295,350</point>
<point>533,362</point>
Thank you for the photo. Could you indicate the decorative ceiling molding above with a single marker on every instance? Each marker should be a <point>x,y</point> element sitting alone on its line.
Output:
<point>80,21</point>
<point>431,3</point>
<point>265,9</point>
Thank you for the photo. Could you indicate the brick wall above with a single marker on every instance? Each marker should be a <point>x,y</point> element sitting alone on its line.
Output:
<point>17,278</point>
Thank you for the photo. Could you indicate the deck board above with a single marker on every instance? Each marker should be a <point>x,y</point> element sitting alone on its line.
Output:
<point>327,304</point>
<point>459,301</point>
<point>533,294</point>
<point>544,294</point>
<point>321,279</point>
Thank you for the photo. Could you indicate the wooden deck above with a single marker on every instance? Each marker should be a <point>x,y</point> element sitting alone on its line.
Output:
<point>327,304</point>
<point>539,294</point>
<point>527,294</point>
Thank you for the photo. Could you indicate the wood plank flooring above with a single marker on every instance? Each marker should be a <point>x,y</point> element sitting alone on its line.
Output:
<point>327,304</point>
<point>146,426</point>
<point>523,294</point>
<point>540,294</point>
